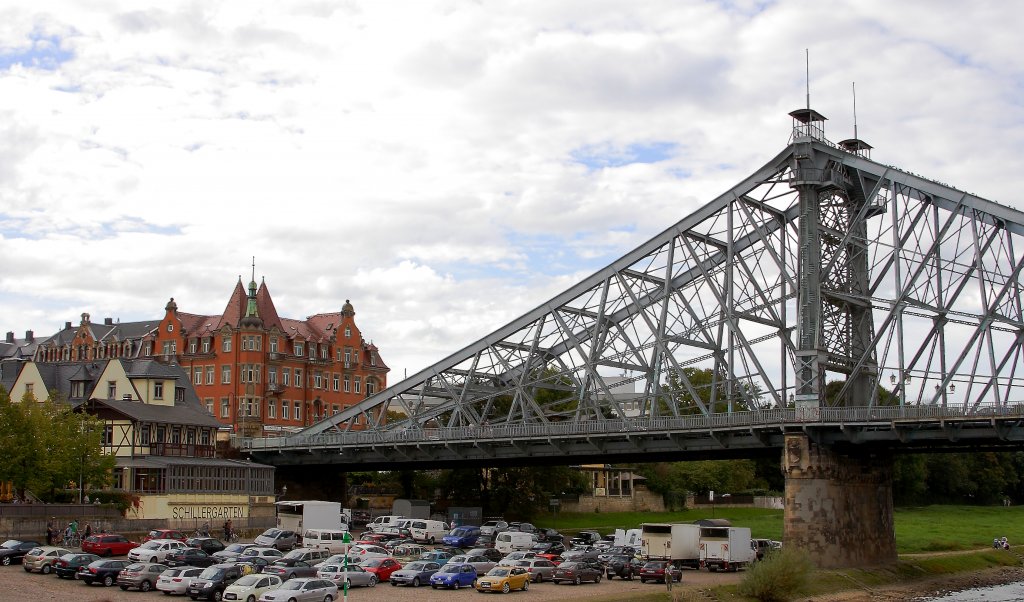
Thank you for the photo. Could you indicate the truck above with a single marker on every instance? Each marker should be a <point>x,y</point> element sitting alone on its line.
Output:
<point>627,537</point>
<point>725,548</point>
<point>677,542</point>
<point>310,514</point>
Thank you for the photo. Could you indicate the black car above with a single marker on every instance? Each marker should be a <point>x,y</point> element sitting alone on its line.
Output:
<point>67,565</point>
<point>623,566</point>
<point>545,535</point>
<point>211,583</point>
<point>553,548</point>
<point>206,544</point>
<point>190,557</point>
<point>489,553</point>
<point>13,551</point>
<point>102,571</point>
<point>585,538</point>
<point>616,551</point>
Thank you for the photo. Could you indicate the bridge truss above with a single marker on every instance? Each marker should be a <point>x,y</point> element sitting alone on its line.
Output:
<point>823,280</point>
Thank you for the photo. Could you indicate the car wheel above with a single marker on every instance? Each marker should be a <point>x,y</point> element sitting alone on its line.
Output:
<point>124,588</point>
<point>597,579</point>
<point>394,584</point>
<point>218,596</point>
<point>415,581</point>
<point>642,580</point>
<point>555,581</point>
<point>292,576</point>
<point>373,581</point>
<point>526,585</point>
<point>153,560</point>
<point>431,541</point>
<point>108,553</point>
<point>145,586</point>
<point>251,599</point>
<point>6,561</point>
<point>46,569</point>
<point>577,581</point>
<point>505,588</point>
<point>108,581</point>
<point>328,598</point>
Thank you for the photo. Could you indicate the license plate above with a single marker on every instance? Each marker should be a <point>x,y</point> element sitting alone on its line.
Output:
<point>229,596</point>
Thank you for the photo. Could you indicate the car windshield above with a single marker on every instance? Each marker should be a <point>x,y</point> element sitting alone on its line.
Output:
<point>372,562</point>
<point>292,584</point>
<point>236,547</point>
<point>152,545</point>
<point>271,533</point>
<point>10,544</point>
<point>248,580</point>
<point>211,573</point>
<point>138,566</point>
<point>496,572</point>
<point>416,566</point>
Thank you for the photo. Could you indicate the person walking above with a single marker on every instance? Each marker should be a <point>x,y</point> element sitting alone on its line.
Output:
<point>88,530</point>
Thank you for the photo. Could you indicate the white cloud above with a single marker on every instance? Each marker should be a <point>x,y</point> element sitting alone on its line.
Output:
<point>417,157</point>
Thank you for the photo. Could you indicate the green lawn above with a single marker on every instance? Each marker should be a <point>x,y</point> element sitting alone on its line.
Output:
<point>922,529</point>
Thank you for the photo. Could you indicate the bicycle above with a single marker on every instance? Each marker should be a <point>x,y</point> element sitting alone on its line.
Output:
<point>230,536</point>
<point>72,540</point>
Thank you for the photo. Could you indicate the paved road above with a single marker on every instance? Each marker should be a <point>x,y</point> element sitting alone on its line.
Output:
<point>16,584</point>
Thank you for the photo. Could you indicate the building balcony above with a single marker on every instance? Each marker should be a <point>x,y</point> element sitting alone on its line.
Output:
<point>182,450</point>
<point>275,388</point>
<point>275,356</point>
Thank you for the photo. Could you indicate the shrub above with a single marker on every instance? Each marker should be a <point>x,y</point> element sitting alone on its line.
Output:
<point>781,576</point>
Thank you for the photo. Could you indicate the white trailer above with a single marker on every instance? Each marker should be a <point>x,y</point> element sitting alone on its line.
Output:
<point>678,542</point>
<point>725,548</point>
<point>309,514</point>
<point>627,537</point>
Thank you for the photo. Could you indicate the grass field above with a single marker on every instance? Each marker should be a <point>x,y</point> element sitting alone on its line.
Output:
<point>923,529</point>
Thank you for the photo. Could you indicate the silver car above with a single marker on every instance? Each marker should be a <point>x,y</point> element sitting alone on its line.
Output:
<point>277,538</point>
<point>540,569</point>
<point>306,589</point>
<point>177,580</point>
<point>355,575</point>
<point>482,564</point>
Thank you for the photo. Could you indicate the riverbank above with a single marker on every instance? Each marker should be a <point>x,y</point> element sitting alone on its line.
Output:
<point>925,587</point>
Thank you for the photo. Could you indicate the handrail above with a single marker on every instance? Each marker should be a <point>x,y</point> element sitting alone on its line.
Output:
<point>779,417</point>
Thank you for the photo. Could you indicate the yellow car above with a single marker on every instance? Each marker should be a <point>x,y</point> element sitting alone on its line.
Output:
<point>504,579</point>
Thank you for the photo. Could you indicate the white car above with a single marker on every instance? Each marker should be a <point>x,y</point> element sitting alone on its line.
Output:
<point>251,587</point>
<point>361,552</point>
<point>177,580</point>
<point>271,554</point>
<point>155,550</point>
<point>513,557</point>
<point>492,527</point>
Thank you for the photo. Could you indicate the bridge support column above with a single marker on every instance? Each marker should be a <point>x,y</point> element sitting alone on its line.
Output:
<point>838,507</point>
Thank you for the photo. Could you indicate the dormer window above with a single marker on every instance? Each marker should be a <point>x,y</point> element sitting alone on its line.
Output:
<point>298,349</point>
<point>170,328</point>
<point>348,331</point>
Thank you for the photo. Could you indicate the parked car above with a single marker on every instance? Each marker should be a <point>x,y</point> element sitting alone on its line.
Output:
<point>522,527</point>
<point>415,573</point>
<point>277,538</point>
<point>582,553</point>
<point>763,546</point>
<point>251,564</point>
<point>660,570</point>
<point>155,550</point>
<point>302,590</point>
<point>493,527</point>
<point>607,553</point>
<point>504,579</point>
<point>233,551</point>
<point>210,545</point>
<point>42,558</point>
<point>409,551</point>
<point>67,565</point>
<point>251,587</point>
<point>311,555</point>
<point>165,534</point>
<point>270,554</point>
<point>355,575</point>
<point>290,569</point>
<point>382,567</point>
<point>489,553</point>
<point>176,580</point>
<point>462,537</point>
<point>482,564</point>
<point>548,549</point>
<point>140,575</point>
<point>453,576</point>
<point>511,558</point>
<point>102,571</point>
<point>191,557</point>
<point>585,538</point>
<point>578,572</point>
<point>540,569</point>
<point>108,544</point>
<point>359,553</point>
<point>438,556</point>
<point>211,583</point>
<point>13,551</point>
<point>550,535</point>
<point>623,566</point>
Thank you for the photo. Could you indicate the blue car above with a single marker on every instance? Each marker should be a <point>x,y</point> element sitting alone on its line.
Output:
<point>462,537</point>
<point>454,576</point>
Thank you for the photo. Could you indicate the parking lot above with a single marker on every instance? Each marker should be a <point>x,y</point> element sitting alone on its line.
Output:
<point>19,585</point>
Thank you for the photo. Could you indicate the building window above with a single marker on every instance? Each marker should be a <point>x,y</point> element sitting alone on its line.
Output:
<point>298,349</point>
<point>158,390</point>
<point>78,389</point>
<point>348,358</point>
<point>144,435</point>
<point>170,328</point>
<point>359,383</point>
<point>286,376</point>
<point>348,331</point>
<point>108,435</point>
<point>204,437</point>
<point>273,344</point>
<point>272,376</point>
<point>312,350</point>
<point>271,409</point>
<point>225,408</point>
<point>336,382</point>
<point>317,379</point>
<point>175,435</point>
<point>335,408</point>
<point>209,405</point>
<point>192,346</point>
<point>298,377</point>
<point>371,387</point>
<point>298,410</point>
<point>373,359</point>
<point>285,409</point>
<point>225,375</point>
<point>197,375</point>
<point>209,374</point>
<point>226,344</point>
<point>111,389</point>
<point>148,348</point>
<point>323,351</point>
<point>160,435</point>
<point>206,344</point>
<point>170,347</point>
<point>347,384</point>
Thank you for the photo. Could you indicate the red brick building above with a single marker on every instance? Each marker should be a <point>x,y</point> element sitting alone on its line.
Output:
<point>252,369</point>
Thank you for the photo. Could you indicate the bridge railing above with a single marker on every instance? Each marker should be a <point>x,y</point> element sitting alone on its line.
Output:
<point>765,418</point>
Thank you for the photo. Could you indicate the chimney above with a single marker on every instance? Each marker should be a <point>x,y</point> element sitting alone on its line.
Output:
<point>67,325</point>
<point>108,321</point>
<point>29,336</point>
<point>10,337</point>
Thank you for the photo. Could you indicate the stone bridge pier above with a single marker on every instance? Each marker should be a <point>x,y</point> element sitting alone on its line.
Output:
<point>838,506</point>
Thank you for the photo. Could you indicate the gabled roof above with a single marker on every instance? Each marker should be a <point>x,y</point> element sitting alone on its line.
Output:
<point>145,412</point>
<point>265,305</point>
<point>235,308</point>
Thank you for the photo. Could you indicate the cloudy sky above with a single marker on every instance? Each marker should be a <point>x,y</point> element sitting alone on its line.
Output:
<point>446,165</point>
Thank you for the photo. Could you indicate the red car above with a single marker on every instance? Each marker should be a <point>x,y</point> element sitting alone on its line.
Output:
<point>382,567</point>
<point>108,544</point>
<point>165,534</point>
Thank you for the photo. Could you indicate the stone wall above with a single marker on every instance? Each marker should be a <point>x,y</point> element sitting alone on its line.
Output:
<point>838,508</point>
<point>642,500</point>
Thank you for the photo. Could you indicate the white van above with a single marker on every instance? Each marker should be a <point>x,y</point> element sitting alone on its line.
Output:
<point>334,541</point>
<point>381,522</point>
<point>514,541</point>
<point>427,531</point>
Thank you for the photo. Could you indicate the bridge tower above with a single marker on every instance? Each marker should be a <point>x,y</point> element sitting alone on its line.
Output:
<point>838,506</point>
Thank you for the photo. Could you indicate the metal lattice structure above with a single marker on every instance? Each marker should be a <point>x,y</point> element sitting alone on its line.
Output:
<point>815,282</point>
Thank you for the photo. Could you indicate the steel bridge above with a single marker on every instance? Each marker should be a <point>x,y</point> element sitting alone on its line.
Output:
<point>825,294</point>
